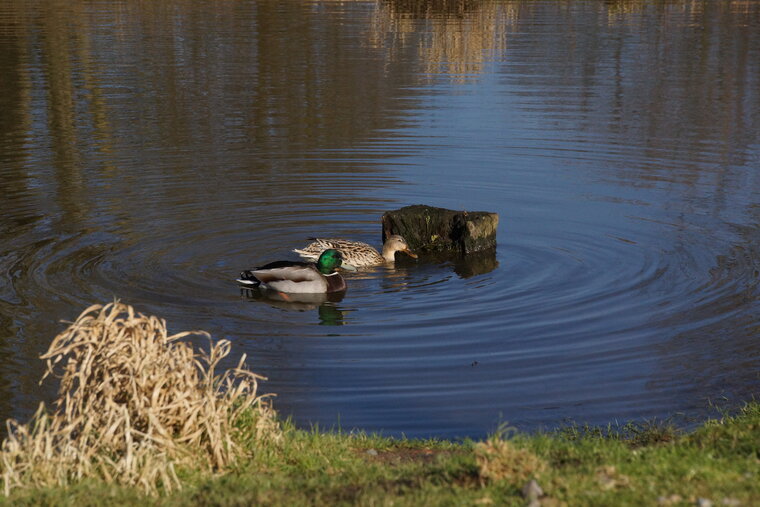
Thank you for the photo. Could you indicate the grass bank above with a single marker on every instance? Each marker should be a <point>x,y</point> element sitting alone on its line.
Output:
<point>635,465</point>
<point>227,456</point>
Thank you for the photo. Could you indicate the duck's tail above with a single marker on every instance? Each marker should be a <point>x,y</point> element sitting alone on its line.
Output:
<point>306,254</point>
<point>248,279</point>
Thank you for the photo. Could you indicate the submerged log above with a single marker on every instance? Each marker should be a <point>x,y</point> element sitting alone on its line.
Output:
<point>429,229</point>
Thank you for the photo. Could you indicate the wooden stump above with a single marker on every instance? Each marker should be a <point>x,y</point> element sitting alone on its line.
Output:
<point>429,229</point>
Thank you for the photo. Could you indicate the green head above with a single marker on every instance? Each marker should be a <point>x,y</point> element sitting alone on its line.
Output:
<point>329,261</point>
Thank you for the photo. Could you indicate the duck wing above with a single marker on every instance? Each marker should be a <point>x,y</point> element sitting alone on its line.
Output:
<point>344,245</point>
<point>294,273</point>
<point>313,250</point>
<point>271,271</point>
<point>289,277</point>
<point>355,253</point>
<point>284,264</point>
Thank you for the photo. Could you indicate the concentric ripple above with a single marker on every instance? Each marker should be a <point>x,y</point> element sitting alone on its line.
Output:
<point>563,320</point>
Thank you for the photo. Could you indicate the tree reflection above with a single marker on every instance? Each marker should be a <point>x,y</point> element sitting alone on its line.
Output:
<point>455,38</point>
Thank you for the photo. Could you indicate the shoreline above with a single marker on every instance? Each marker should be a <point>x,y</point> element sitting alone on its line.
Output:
<point>144,417</point>
<point>634,464</point>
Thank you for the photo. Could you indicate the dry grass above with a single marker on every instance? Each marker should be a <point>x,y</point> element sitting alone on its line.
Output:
<point>133,403</point>
<point>498,460</point>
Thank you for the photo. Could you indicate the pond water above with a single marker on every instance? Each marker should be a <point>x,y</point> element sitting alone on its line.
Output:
<point>149,151</point>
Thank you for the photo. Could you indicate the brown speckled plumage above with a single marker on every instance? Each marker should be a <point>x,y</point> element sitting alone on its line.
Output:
<point>356,253</point>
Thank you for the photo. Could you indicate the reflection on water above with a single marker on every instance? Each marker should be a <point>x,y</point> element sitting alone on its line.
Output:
<point>325,305</point>
<point>458,38</point>
<point>149,151</point>
<point>393,278</point>
<point>465,266</point>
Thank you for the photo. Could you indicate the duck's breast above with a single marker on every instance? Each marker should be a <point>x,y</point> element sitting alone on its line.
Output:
<point>335,283</point>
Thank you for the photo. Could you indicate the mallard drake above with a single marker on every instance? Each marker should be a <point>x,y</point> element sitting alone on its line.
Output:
<point>298,277</point>
<point>356,253</point>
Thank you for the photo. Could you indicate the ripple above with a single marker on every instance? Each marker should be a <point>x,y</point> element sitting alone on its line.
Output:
<point>497,330</point>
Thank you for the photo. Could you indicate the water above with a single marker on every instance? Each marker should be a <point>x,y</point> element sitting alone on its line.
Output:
<point>150,151</point>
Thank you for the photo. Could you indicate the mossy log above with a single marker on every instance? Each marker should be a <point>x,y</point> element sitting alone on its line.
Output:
<point>429,229</point>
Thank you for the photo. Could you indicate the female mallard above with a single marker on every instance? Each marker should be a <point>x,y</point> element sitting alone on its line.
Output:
<point>356,253</point>
<point>299,277</point>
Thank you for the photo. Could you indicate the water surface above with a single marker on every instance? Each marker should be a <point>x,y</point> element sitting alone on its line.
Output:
<point>150,151</point>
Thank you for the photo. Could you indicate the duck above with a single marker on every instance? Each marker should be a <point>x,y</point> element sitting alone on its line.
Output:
<point>356,253</point>
<point>292,277</point>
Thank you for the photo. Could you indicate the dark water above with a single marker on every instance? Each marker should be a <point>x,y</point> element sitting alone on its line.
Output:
<point>149,151</point>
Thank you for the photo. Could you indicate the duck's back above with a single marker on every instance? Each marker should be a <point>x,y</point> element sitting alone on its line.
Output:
<point>356,253</point>
<point>290,277</point>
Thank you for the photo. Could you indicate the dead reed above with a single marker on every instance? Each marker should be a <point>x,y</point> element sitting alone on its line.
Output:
<point>500,460</point>
<point>133,404</point>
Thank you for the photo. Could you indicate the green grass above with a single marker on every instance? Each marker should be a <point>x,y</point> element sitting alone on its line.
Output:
<point>628,465</point>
